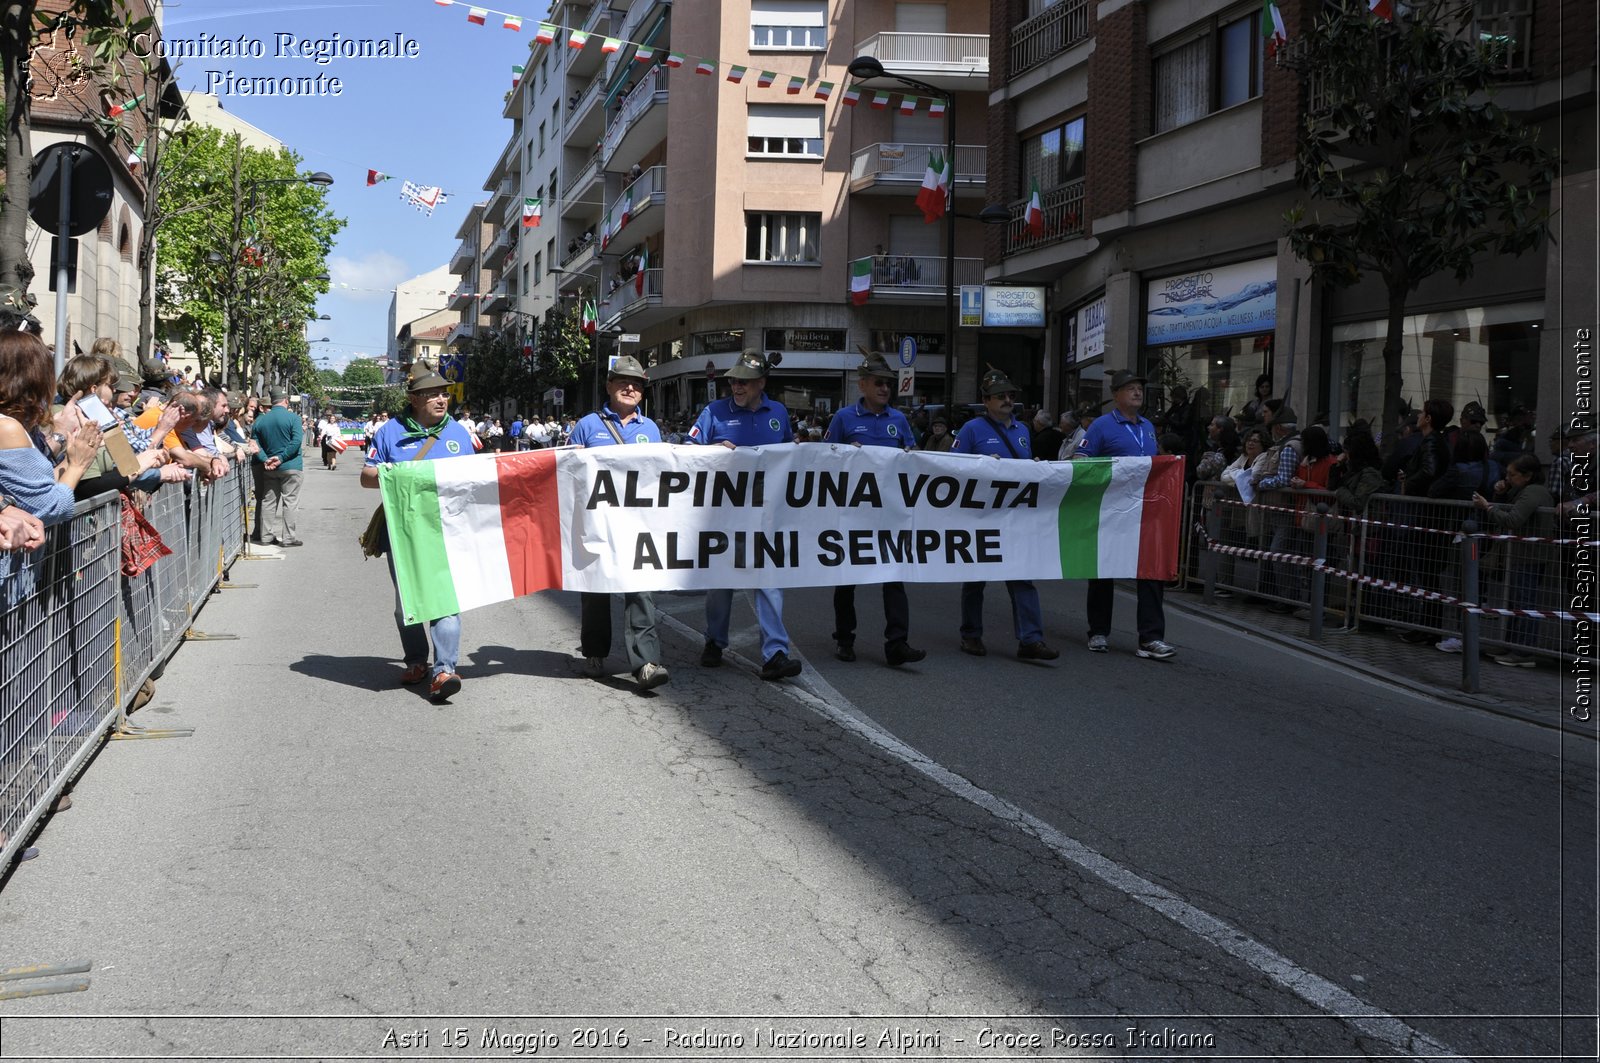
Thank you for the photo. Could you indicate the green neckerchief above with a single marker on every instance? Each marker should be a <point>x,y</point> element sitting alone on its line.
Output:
<point>415,429</point>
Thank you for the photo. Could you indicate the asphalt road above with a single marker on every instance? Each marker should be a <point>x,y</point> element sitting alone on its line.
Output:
<point>1244,851</point>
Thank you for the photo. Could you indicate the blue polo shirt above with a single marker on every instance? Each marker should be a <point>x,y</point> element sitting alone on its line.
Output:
<point>725,421</point>
<point>984,435</point>
<point>400,438</point>
<point>1112,435</point>
<point>591,430</point>
<point>856,424</point>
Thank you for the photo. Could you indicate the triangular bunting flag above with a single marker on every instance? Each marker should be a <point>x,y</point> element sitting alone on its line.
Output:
<point>860,281</point>
<point>119,109</point>
<point>736,73</point>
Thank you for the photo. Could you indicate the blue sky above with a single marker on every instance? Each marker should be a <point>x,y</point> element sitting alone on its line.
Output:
<point>435,120</point>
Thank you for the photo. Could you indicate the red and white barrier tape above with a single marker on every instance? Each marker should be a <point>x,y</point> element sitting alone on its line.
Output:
<point>1385,584</point>
<point>1352,519</point>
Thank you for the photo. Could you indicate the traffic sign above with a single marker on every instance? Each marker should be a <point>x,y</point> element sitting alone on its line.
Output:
<point>628,337</point>
<point>908,351</point>
<point>908,379</point>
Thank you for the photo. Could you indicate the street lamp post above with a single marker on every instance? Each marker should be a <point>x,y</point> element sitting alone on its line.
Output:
<point>867,67</point>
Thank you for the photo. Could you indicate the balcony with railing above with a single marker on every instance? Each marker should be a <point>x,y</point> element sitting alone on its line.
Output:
<point>585,61</point>
<point>462,258</point>
<point>506,189</point>
<point>954,61</point>
<point>641,122</point>
<point>585,119</point>
<point>462,330</point>
<point>579,261</point>
<point>627,299</point>
<point>495,254</point>
<point>644,202</point>
<point>1063,219</point>
<point>1049,33</point>
<point>501,296</point>
<point>464,295</point>
<point>583,191</point>
<point>889,169</point>
<point>916,277</point>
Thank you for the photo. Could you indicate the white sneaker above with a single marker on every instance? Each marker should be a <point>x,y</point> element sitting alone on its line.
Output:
<point>1156,650</point>
<point>1448,645</point>
<point>651,676</point>
<point>1097,644</point>
<point>594,667</point>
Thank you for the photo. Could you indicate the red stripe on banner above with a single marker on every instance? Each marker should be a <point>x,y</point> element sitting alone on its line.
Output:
<point>1162,515</point>
<point>530,519</point>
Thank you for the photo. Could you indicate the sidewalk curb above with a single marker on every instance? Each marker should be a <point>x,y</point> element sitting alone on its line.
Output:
<point>1322,652</point>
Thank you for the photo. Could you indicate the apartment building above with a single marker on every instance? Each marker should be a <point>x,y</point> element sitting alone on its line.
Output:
<point>703,216</point>
<point>1163,141</point>
<point>477,282</point>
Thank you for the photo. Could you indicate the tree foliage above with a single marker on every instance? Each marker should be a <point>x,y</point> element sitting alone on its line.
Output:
<point>1412,170</point>
<point>242,254</point>
<point>362,373</point>
<point>497,371</point>
<point>563,349</point>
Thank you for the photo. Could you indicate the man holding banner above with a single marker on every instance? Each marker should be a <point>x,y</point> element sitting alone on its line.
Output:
<point>873,422</point>
<point>1123,433</point>
<point>747,419</point>
<point>620,422</point>
<point>1000,434</point>
<point>427,435</point>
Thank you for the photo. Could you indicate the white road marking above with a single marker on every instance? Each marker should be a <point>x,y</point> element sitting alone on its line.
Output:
<point>825,700</point>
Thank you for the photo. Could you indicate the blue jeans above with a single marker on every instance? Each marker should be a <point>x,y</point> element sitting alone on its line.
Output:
<point>769,614</point>
<point>446,632</point>
<point>1027,615</point>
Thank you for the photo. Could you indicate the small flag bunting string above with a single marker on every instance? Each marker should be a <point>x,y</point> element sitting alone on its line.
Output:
<point>577,39</point>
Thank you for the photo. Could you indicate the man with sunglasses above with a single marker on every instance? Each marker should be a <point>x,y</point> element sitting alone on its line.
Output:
<point>874,422</point>
<point>747,418</point>
<point>999,433</point>
<point>619,422</point>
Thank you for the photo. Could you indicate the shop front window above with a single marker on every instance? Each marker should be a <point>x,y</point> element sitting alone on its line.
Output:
<point>1488,355</point>
<point>1219,374</point>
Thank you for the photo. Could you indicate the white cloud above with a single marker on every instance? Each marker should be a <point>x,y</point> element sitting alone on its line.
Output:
<point>368,279</point>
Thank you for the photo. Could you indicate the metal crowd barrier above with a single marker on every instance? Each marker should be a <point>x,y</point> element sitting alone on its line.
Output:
<point>1430,566</point>
<point>75,651</point>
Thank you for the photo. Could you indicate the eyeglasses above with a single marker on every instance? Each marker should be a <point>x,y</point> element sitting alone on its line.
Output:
<point>628,385</point>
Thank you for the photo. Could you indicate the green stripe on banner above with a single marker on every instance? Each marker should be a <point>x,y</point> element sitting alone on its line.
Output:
<point>411,495</point>
<point>1079,520</point>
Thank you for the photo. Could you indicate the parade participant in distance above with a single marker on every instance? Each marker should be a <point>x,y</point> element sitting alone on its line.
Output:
<point>427,434</point>
<point>618,422</point>
<point>1123,433</point>
<point>999,433</point>
<point>747,419</point>
<point>873,422</point>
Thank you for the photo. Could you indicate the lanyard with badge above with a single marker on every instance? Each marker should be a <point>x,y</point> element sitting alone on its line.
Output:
<point>1137,434</point>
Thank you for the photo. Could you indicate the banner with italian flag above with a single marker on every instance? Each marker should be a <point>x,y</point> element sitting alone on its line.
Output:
<point>861,281</point>
<point>475,530</point>
<point>931,196</point>
<point>1035,212</point>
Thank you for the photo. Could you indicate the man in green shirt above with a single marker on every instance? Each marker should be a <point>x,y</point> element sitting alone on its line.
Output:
<point>278,496</point>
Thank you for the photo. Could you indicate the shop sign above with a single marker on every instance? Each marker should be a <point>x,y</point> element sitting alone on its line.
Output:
<point>1234,300</point>
<point>805,339</point>
<point>927,342</point>
<point>721,342</point>
<point>1086,332</point>
<point>971,305</point>
<point>1013,306</point>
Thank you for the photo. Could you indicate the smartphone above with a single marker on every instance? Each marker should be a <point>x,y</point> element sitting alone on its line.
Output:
<point>97,412</point>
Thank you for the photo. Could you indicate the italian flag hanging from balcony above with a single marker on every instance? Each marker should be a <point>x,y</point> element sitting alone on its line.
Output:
<point>860,281</point>
<point>532,212</point>
<point>1035,213</point>
<point>1272,27</point>
<point>591,319</point>
<point>644,264</point>
<point>931,196</point>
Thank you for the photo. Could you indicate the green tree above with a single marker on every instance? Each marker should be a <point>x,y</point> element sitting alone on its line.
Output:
<point>243,252</point>
<point>497,370</point>
<point>330,378</point>
<point>563,350</point>
<point>362,373</point>
<point>1413,170</point>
